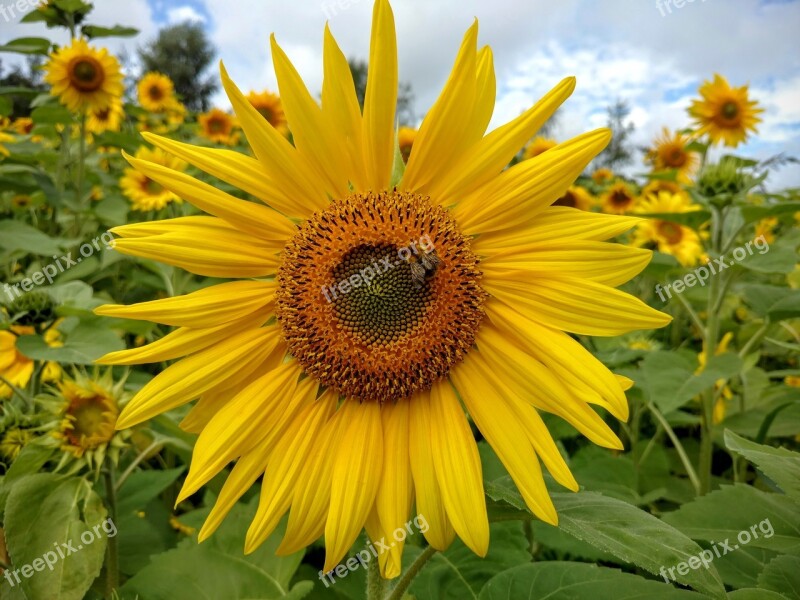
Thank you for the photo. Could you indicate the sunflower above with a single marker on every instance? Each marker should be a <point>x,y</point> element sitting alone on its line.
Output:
<point>217,125</point>
<point>766,228</point>
<point>23,125</point>
<point>405,140</point>
<point>656,186</point>
<point>351,408</point>
<point>726,114</point>
<point>5,139</point>
<point>576,197</point>
<point>618,199</point>
<point>13,441</point>
<point>669,237</point>
<point>270,107</point>
<point>84,77</point>
<point>107,118</point>
<point>538,145</point>
<point>602,176</point>
<point>722,392</point>
<point>21,201</point>
<point>145,193</point>
<point>15,367</point>
<point>669,153</point>
<point>156,92</point>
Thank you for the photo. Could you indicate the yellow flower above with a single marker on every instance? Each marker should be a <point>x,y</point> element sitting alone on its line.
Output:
<point>792,380</point>
<point>657,186</point>
<point>669,153</point>
<point>405,140</point>
<point>766,227</point>
<point>144,192</point>
<point>602,176</point>
<point>107,118</point>
<point>539,145</point>
<point>21,201</point>
<point>23,125</point>
<point>351,408</point>
<point>270,107</point>
<point>156,92</point>
<point>217,125</point>
<point>669,237</point>
<point>83,77</point>
<point>15,367</point>
<point>14,440</point>
<point>720,388</point>
<point>726,114</point>
<point>4,139</point>
<point>576,197</point>
<point>96,194</point>
<point>618,199</point>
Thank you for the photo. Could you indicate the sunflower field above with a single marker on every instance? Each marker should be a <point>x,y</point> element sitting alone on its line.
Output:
<point>286,348</point>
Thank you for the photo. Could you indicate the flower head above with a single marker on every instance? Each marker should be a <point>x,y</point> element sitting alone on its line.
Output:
<point>217,125</point>
<point>270,107</point>
<point>669,237</point>
<point>156,92</point>
<point>725,113</point>
<point>618,199</point>
<point>144,192</point>
<point>670,153</point>
<point>538,145</point>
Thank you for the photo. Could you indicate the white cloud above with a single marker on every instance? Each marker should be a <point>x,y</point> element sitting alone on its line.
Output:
<point>181,14</point>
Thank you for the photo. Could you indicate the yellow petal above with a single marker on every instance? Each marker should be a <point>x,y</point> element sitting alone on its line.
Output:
<point>520,193</point>
<point>253,218</point>
<point>609,264</point>
<point>458,468</point>
<point>189,378</point>
<point>380,100</point>
<point>209,307</point>
<point>430,502</point>
<point>239,170</point>
<point>501,428</point>
<point>486,159</point>
<point>283,163</point>
<point>577,305</point>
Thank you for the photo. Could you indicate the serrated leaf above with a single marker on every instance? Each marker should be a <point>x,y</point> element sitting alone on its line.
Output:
<point>576,581</point>
<point>142,486</point>
<point>782,575</point>
<point>83,345</point>
<point>16,236</point>
<point>787,307</point>
<point>779,464</point>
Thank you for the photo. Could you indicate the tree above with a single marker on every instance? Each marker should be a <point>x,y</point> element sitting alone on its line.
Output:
<point>405,95</point>
<point>183,52</point>
<point>620,150</point>
<point>31,79</point>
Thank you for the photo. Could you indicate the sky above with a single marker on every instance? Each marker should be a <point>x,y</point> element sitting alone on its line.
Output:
<point>652,53</point>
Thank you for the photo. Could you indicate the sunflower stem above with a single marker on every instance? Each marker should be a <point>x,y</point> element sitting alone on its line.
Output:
<point>405,581</point>
<point>676,442</point>
<point>376,585</point>
<point>112,550</point>
<point>81,159</point>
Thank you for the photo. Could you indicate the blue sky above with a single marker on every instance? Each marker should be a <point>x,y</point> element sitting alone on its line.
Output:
<point>631,49</point>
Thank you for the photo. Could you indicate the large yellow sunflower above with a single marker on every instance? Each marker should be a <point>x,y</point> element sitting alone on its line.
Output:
<point>146,193</point>
<point>217,125</point>
<point>669,153</point>
<point>270,107</point>
<point>84,77</point>
<point>726,114</point>
<point>336,365</point>
<point>156,92</point>
<point>672,238</point>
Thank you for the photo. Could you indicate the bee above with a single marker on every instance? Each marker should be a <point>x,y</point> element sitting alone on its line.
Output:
<point>424,266</point>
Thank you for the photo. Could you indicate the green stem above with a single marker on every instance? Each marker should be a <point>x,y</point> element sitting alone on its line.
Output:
<point>81,160</point>
<point>694,316</point>
<point>112,550</point>
<point>405,581</point>
<point>142,455</point>
<point>376,585</point>
<point>676,442</point>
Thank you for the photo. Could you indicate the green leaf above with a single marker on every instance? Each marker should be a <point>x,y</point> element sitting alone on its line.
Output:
<point>576,581</point>
<point>780,257</point>
<point>779,464</point>
<point>664,373</point>
<point>51,115</point>
<point>142,486</point>
<point>787,307</point>
<point>756,213</point>
<point>741,569</point>
<point>782,575</point>
<point>719,367</point>
<point>755,594</point>
<point>94,31</point>
<point>6,106</point>
<point>43,512</point>
<point>27,45</point>
<point>83,345</point>
<point>31,458</point>
<point>725,513</point>
<point>16,236</point>
<point>632,535</point>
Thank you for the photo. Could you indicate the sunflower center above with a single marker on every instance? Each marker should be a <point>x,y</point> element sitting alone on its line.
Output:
<point>671,232</point>
<point>216,126</point>
<point>620,199</point>
<point>730,110</point>
<point>567,200</point>
<point>156,93</point>
<point>674,157</point>
<point>379,296</point>
<point>92,421</point>
<point>266,113</point>
<point>86,74</point>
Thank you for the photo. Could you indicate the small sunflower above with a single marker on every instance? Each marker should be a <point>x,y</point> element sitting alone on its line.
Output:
<point>405,140</point>
<point>13,441</point>
<point>669,152</point>
<point>84,77</point>
<point>270,107</point>
<point>656,186</point>
<point>23,125</point>
<point>156,92</point>
<point>576,197</point>
<point>766,227</point>
<point>15,367</point>
<point>351,409</point>
<point>21,201</point>
<point>217,125</point>
<point>792,381</point>
<point>144,192</point>
<point>108,118</point>
<point>603,176</point>
<point>672,238</point>
<point>726,114</point>
<point>5,139</point>
<point>618,199</point>
<point>538,145</point>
